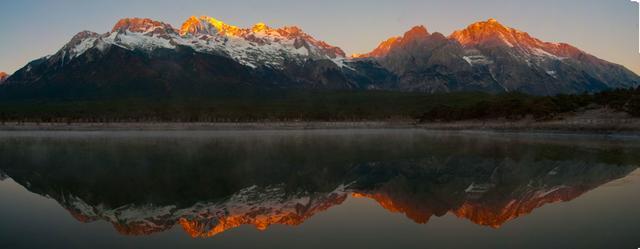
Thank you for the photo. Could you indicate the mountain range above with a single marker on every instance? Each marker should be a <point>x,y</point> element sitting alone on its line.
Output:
<point>147,57</point>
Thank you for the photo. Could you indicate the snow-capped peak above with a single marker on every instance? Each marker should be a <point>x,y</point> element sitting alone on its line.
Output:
<point>257,46</point>
<point>262,35</point>
<point>79,44</point>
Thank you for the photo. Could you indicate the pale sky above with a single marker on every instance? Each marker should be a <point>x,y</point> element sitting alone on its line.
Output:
<point>30,29</point>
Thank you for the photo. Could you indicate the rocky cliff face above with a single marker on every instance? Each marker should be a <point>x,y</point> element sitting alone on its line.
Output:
<point>489,56</point>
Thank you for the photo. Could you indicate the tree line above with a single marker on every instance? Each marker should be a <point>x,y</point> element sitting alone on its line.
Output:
<point>317,106</point>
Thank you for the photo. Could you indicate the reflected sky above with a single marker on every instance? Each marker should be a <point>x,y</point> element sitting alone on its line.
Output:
<point>317,189</point>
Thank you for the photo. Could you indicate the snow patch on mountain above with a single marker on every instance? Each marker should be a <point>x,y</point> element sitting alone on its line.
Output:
<point>143,41</point>
<point>477,60</point>
<point>542,53</point>
<point>83,46</point>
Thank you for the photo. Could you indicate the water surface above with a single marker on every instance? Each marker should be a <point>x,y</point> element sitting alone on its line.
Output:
<point>318,189</point>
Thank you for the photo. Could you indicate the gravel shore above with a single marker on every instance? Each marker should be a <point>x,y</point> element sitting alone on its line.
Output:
<point>594,121</point>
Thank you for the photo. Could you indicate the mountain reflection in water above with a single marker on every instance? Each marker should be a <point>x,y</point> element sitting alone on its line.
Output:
<point>212,182</point>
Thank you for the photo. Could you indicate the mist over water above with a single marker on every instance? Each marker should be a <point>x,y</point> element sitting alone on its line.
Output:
<point>317,189</point>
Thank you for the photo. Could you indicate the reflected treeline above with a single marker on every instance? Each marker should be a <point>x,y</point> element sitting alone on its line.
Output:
<point>209,182</point>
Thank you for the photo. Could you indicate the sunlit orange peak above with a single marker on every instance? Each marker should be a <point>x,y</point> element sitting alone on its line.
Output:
<point>190,26</point>
<point>208,25</point>
<point>139,25</point>
<point>381,50</point>
<point>260,27</point>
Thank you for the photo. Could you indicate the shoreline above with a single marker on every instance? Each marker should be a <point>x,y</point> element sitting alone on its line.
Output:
<point>200,126</point>
<point>604,127</point>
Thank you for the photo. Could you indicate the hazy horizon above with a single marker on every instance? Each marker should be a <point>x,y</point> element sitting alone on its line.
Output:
<point>606,29</point>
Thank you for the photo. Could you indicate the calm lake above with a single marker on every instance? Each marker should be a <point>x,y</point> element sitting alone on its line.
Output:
<point>318,189</point>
